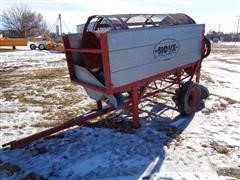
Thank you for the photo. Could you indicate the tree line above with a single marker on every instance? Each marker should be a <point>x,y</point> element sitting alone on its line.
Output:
<point>220,36</point>
<point>23,22</point>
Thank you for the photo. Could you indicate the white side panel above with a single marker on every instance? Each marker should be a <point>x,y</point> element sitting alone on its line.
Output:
<point>133,52</point>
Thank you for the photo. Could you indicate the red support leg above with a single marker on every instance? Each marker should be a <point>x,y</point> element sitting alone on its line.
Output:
<point>198,75</point>
<point>135,107</point>
<point>178,79</point>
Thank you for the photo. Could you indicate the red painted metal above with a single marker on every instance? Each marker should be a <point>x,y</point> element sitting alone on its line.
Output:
<point>138,90</point>
<point>194,97</point>
<point>135,107</point>
<point>69,58</point>
<point>152,78</point>
<point>134,100</point>
<point>109,89</point>
<point>94,51</point>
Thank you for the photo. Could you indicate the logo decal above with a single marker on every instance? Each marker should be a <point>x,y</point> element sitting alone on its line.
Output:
<point>166,49</point>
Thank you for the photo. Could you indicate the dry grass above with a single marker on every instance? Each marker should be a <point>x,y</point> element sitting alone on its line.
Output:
<point>10,168</point>
<point>50,89</point>
<point>232,172</point>
<point>208,111</point>
<point>229,100</point>
<point>221,104</point>
<point>50,73</point>
<point>47,124</point>
<point>19,126</point>
<point>5,82</point>
<point>222,149</point>
<point>206,77</point>
<point>225,49</point>
<point>113,121</point>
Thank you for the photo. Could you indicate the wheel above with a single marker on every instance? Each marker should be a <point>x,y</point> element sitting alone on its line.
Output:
<point>33,46</point>
<point>204,92</point>
<point>41,47</point>
<point>207,45</point>
<point>189,98</point>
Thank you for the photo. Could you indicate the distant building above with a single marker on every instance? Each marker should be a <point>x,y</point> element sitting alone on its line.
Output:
<point>9,33</point>
<point>215,36</point>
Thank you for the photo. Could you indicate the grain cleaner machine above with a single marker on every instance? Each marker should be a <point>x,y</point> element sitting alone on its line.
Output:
<point>121,59</point>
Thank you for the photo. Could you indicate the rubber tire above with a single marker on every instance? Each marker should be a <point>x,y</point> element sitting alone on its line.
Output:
<point>189,98</point>
<point>204,92</point>
<point>207,44</point>
<point>33,46</point>
<point>41,47</point>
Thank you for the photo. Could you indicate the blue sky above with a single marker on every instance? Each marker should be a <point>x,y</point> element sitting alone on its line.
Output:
<point>210,12</point>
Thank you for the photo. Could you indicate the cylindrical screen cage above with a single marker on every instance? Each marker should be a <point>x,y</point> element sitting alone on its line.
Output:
<point>128,21</point>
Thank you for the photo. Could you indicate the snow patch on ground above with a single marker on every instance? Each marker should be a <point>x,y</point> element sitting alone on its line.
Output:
<point>36,93</point>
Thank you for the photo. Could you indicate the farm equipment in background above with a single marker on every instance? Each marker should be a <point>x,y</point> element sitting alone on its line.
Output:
<point>121,59</point>
<point>5,41</point>
<point>46,42</point>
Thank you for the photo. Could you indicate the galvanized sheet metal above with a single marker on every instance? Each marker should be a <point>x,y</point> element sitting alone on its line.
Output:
<point>132,51</point>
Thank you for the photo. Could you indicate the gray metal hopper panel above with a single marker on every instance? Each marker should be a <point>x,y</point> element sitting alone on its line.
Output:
<point>131,52</point>
<point>75,42</point>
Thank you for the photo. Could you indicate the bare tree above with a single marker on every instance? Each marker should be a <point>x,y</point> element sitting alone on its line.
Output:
<point>23,21</point>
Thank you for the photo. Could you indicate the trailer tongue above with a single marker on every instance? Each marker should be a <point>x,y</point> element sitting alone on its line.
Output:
<point>121,59</point>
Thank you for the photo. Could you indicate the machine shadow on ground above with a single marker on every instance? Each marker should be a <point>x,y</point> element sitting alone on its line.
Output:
<point>101,151</point>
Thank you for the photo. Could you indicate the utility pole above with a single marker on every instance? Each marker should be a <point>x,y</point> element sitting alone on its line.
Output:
<point>60,23</point>
<point>238,23</point>
<point>236,37</point>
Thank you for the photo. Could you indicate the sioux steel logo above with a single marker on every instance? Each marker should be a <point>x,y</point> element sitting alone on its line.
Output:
<point>166,49</point>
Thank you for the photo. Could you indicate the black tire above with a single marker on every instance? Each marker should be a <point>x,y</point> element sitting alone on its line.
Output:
<point>41,47</point>
<point>33,46</point>
<point>207,44</point>
<point>204,92</point>
<point>189,98</point>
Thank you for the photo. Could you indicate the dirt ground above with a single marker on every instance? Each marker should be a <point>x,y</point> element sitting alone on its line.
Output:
<point>36,93</point>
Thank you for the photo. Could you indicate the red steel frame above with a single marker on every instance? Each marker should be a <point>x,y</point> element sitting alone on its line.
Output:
<point>173,77</point>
